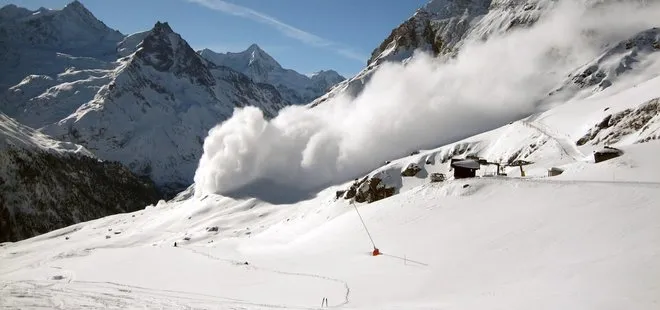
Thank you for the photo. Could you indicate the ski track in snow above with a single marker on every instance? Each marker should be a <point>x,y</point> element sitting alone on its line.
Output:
<point>111,294</point>
<point>297,274</point>
<point>562,140</point>
<point>96,293</point>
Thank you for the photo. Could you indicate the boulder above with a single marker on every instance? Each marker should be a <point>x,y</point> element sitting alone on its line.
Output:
<point>437,177</point>
<point>373,190</point>
<point>411,170</point>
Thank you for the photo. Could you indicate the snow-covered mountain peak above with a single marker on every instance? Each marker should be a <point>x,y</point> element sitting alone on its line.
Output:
<point>258,56</point>
<point>78,8</point>
<point>327,78</point>
<point>70,28</point>
<point>263,68</point>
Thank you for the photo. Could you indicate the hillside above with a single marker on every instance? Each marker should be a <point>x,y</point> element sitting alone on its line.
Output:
<point>47,184</point>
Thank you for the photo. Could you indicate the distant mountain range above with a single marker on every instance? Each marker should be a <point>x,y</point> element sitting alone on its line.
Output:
<point>146,100</point>
<point>261,67</point>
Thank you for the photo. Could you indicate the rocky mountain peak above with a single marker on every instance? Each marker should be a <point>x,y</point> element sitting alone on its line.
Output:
<point>76,7</point>
<point>11,12</point>
<point>165,50</point>
<point>162,28</point>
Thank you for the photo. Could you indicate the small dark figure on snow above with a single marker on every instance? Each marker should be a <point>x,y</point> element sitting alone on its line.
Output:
<point>175,244</point>
<point>246,263</point>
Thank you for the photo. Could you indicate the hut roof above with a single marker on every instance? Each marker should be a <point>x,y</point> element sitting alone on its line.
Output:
<point>520,162</point>
<point>467,163</point>
<point>609,150</point>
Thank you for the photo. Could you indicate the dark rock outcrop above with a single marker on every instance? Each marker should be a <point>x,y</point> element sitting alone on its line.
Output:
<point>368,190</point>
<point>612,128</point>
<point>411,170</point>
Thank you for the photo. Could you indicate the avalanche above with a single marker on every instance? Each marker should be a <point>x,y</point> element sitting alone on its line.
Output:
<point>585,239</point>
<point>588,238</point>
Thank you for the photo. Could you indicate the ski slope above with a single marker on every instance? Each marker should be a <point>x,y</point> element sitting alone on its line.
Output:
<point>588,239</point>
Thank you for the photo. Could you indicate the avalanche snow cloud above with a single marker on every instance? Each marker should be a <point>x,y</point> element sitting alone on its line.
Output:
<point>424,102</point>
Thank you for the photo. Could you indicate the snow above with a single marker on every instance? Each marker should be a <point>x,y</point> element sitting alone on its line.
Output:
<point>587,238</point>
<point>423,103</point>
<point>503,242</point>
<point>18,136</point>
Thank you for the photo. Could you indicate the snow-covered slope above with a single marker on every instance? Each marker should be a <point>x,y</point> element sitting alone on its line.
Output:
<point>584,239</point>
<point>47,184</point>
<point>566,135</point>
<point>262,68</point>
<point>157,106</point>
<point>632,56</point>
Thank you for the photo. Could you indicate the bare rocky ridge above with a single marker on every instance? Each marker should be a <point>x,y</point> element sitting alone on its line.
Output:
<point>639,123</point>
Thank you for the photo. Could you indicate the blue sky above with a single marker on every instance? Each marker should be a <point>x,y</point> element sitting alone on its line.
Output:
<point>304,35</point>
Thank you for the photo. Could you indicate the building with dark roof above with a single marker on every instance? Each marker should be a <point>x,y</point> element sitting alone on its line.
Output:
<point>466,168</point>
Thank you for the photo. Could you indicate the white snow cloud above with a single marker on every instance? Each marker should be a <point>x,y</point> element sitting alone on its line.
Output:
<point>423,103</point>
<point>284,28</point>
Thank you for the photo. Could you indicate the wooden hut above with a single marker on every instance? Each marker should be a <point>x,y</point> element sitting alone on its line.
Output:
<point>606,153</point>
<point>466,168</point>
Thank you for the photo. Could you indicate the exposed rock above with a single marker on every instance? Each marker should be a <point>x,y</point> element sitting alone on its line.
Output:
<point>373,190</point>
<point>615,127</point>
<point>411,170</point>
<point>614,63</point>
<point>437,177</point>
<point>368,190</point>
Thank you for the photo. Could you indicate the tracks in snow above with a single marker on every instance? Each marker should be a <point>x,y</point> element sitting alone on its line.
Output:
<point>562,140</point>
<point>286,273</point>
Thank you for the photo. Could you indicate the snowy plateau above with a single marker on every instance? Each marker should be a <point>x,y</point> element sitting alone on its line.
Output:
<point>556,102</point>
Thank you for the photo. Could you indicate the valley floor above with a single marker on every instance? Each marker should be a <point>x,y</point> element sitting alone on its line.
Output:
<point>588,239</point>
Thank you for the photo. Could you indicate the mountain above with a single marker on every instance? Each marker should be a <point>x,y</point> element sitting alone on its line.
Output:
<point>146,100</point>
<point>262,68</point>
<point>441,27</point>
<point>47,184</point>
<point>47,42</point>
<point>157,107</point>
<point>626,58</point>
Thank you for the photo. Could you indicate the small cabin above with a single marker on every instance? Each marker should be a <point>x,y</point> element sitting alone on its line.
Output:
<point>466,168</point>
<point>606,153</point>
